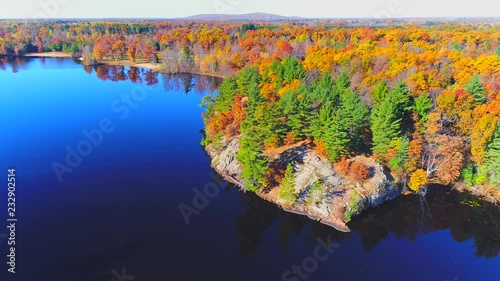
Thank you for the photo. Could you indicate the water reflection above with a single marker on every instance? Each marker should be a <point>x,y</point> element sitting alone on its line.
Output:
<point>185,82</point>
<point>15,64</point>
<point>465,216</point>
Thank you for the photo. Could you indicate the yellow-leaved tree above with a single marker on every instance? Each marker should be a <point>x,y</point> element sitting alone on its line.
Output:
<point>482,132</point>
<point>418,179</point>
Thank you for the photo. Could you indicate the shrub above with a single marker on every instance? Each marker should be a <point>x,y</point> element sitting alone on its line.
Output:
<point>316,193</point>
<point>359,171</point>
<point>343,166</point>
<point>353,206</point>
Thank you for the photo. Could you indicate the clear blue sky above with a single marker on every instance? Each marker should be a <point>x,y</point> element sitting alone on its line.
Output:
<point>308,8</point>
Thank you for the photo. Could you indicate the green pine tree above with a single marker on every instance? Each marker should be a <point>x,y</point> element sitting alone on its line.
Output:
<point>423,103</point>
<point>287,189</point>
<point>320,123</point>
<point>226,94</point>
<point>293,69</point>
<point>402,146</point>
<point>250,156</point>
<point>400,96</point>
<point>322,91</point>
<point>248,79</point>
<point>385,126</point>
<point>336,137</point>
<point>343,82</point>
<point>355,116</point>
<point>380,91</point>
<point>476,89</point>
<point>274,126</point>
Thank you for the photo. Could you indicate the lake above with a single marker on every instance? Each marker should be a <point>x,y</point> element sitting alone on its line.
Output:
<point>105,156</point>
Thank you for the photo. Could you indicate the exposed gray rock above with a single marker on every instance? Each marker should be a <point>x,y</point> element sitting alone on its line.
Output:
<point>309,168</point>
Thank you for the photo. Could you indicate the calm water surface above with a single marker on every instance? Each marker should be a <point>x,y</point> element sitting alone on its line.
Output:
<point>116,209</point>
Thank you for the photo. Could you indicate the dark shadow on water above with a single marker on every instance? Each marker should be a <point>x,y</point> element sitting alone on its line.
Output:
<point>463,215</point>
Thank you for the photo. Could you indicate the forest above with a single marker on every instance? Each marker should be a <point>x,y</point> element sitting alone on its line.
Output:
<point>422,99</point>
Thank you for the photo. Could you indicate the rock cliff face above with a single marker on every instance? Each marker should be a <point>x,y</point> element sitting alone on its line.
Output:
<point>342,198</point>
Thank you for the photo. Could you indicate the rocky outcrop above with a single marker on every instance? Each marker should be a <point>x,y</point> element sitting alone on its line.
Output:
<point>341,194</point>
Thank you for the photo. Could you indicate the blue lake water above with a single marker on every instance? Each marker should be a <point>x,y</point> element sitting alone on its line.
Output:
<point>106,207</point>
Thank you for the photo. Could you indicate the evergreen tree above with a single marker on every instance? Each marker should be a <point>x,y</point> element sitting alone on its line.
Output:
<point>336,137</point>
<point>322,91</point>
<point>247,79</point>
<point>400,97</point>
<point>385,126</point>
<point>274,126</point>
<point>476,89</point>
<point>254,164</point>
<point>320,124</point>
<point>250,156</point>
<point>289,104</point>
<point>355,115</point>
<point>402,147</point>
<point>316,193</point>
<point>226,94</point>
<point>287,189</point>
<point>343,82</point>
<point>423,104</point>
<point>380,91</point>
<point>298,112</point>
<point>300,120</point>
<point>293,69</point>
<point>278,70</point>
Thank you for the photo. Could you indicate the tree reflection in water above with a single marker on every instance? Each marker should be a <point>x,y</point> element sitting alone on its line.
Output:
<point>181,82</point>
<point>465,216</point>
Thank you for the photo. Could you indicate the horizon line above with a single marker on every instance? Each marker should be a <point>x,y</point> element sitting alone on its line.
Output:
<point>283,17</point>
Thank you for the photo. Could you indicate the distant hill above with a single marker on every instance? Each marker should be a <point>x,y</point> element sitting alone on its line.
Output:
<point>239,17</point>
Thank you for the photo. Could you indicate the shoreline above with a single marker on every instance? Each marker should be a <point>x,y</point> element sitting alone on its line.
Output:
<point>148,65</point>
<point>332,209</point>
<point>158,67</point>
<point>336,224</point>
<point>47,55</point>
<point>309,167</point>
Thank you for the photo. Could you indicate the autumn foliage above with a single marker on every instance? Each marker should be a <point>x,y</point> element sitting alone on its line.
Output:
<point>417,180</point>
<point>353,169</point>
<point>420,98</point>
